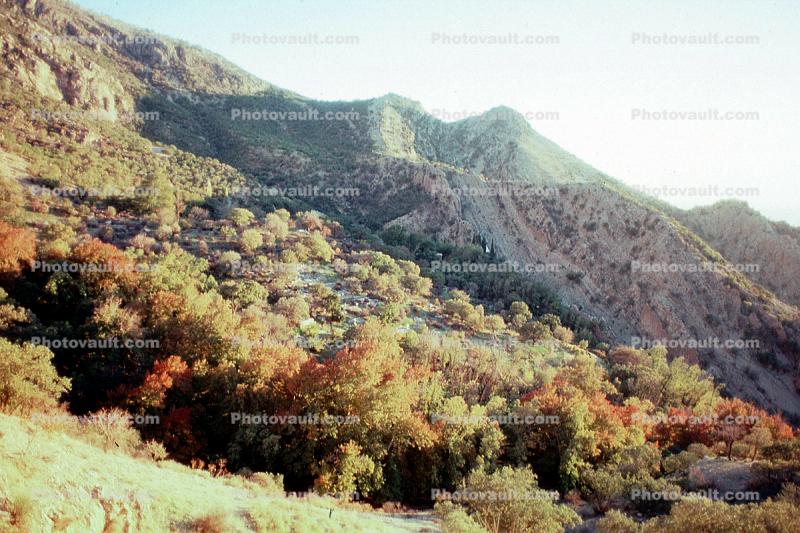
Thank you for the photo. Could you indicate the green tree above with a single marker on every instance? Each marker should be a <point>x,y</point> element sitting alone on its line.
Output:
<point>251,240</point>
<point>519,314</point>
<point>514,503</point>
<point>241,217</point>
<point>28,380</point>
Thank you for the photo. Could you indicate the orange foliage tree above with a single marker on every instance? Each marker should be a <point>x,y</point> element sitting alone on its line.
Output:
<point>17,248</point>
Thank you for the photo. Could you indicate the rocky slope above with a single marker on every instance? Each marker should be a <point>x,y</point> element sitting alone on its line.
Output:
<point>745,237</point>
<point>490,175</point>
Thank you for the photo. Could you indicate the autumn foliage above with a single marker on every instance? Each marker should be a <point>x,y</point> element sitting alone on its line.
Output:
<point>17,249</point>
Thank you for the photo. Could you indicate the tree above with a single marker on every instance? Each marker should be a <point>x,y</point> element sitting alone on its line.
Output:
<point>348,472</point>
<point>251,240</point>
<point>165,374</point>
<point>495,324</point>
<point>510,501</point>
<point>241,217</point>
<point>294,308</point>
<point>17,249</point>
<point>648,375</point>
<point>158,197</point>
<point>370,382</point>
<point>107,270</point>
<point>590,429</point>
<point>734,419</point>
<point>28,380</point>
<point>276,226</point>
<point>519,314</point>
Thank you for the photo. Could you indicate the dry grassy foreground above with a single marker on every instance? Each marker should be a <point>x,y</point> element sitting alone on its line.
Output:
<point>51,481</point>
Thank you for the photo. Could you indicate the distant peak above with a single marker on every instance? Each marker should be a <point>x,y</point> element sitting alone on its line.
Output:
<point>396,100</point>
<point>505,113</point>
<point>728,203</point>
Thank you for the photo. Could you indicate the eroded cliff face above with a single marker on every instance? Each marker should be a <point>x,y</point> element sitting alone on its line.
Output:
<point>745,237</point>
<point>101,66</point>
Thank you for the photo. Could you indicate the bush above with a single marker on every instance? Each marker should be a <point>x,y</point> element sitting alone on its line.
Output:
<point>111,429</point>
<point>318,248</point>
<point>616,522</point>
<point>535,331</point>
<point>564,334</point>
<point>680,462</point>
<point>229,260</point>
<point>294,308</point>
<point>241,217</point>
<point>348,471</point>
<point>272,483</point>
<point>519,314</point>
<point>28,380</point>
<point>276,226</point>
<point>601,487</point>
<point>455,519</point>
<point>251,240</point>
<point>154,450</point>
<point>527,508</point>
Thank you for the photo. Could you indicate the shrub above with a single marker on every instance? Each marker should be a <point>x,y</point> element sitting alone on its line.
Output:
<point>272,483</point>
<point>24,509</point>
<point>111,429</point>
<point>251,240</point>
<point>276,226</point>
<point>680,462</point>
<point>241,217</point>
<point>294,308</point>
<point>527,509</point>
<point>535,331</point>
<point>28,380</point>
<point>348,471</point>
<point>564,334</point>
<point>519,314</point>
<point>318,248</point>
<point>455,519</point>
<point>154,450</point>
<point>229,260</point>
<point>601,487</point>
<point>217,522</point>
<point>616,522</point>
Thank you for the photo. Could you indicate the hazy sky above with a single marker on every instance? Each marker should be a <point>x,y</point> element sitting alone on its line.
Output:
<point>596,78</point>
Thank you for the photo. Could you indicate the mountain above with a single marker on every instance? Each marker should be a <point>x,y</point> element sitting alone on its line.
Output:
<point>745,237</point>
<point>447,180</point>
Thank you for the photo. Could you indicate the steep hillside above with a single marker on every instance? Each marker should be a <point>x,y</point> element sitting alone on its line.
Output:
<point>448,180</point>
<point>745,237</point>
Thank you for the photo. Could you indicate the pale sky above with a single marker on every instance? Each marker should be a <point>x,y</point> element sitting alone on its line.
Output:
<point>599,77</point>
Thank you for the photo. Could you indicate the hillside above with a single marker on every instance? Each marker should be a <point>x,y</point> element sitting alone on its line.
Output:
<point>52,482</point>
<point>446,180</point>
<point>198,320</point>
<point>745,237</point>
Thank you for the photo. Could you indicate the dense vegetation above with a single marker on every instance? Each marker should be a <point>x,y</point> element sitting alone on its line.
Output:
<point>262,338</point>
<point>270,316</point>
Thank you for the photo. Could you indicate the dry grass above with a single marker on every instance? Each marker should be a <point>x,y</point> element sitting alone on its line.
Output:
<point>51,481</point>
